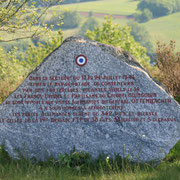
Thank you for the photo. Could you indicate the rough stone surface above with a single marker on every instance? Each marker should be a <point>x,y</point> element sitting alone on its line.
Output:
<point>144,140</point>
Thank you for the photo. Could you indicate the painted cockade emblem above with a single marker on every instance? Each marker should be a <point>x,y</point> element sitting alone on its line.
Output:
<point>81,60</point>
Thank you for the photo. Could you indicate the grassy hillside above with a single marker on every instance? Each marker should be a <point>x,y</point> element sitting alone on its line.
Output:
<point>165,29</point>
<point>121,7</point>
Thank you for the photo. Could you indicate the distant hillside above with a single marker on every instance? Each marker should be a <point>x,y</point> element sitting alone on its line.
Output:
<point>119,7</point>
<point>164,28</point>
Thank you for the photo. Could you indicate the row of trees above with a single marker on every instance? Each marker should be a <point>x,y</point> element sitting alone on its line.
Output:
<point>155,8</point>
<point>160,7</point>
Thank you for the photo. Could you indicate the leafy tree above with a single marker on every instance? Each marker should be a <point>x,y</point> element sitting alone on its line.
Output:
<point>70,20</point>
<point>34,55</point>
<point>158,7</point>
<point>119,36</point>
<point>54,22</point>
<point>143,16</point>
<point>14,66</point>
<point>90,24</point>
<point>90,13</point>
<point>67,20</point>
<point>177,6</point>
<point>141,35</point>
<point>22,18</point>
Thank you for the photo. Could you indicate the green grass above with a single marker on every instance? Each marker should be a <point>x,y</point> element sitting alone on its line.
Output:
<point>79,166</point>
<point>28,171</point>
<point>121,7</point>
<point>165,29</point>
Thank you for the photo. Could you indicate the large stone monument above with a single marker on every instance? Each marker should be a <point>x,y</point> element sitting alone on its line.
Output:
<point>94,97</point>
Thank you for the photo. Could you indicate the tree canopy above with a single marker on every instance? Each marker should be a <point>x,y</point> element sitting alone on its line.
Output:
<point>141,35</point>
<point>119,36</point>
<point>90,24</point>
<point>160,7</point>
<point>23,18</point>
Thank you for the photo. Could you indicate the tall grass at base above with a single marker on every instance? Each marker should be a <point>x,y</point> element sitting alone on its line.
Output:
<point>80,165</point>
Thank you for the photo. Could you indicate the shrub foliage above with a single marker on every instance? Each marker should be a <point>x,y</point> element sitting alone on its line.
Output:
<point>160,7</point>
<point>14,66</point>
<point>119,36</point>
<point>168,63</point>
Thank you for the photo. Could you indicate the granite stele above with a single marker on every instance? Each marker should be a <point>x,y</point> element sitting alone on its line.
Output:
<point>94,97</point>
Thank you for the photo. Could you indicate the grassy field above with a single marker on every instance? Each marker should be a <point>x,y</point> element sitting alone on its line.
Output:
<point>165,29</point>
<point>121,7</point>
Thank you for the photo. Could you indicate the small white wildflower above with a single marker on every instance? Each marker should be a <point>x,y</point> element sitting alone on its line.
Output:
<point>107,158</point>
<point>78,168</point>
<point>143,136</point>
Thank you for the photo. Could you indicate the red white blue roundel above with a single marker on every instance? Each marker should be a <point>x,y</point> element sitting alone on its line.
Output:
<point>81,60</point>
